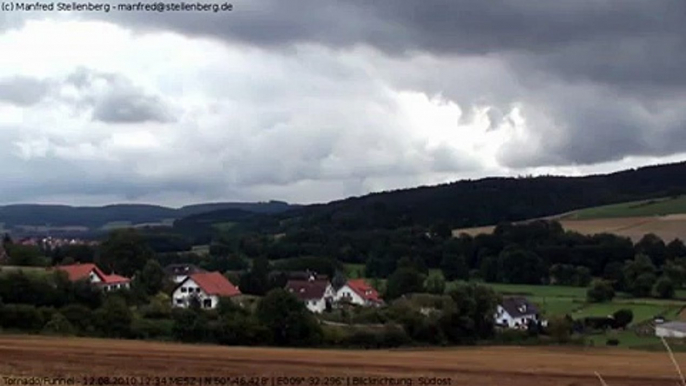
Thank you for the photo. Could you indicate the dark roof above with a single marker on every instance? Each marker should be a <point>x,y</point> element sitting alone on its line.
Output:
<point>518,306</point>
<point>307,289</point>
<point>182,269</point>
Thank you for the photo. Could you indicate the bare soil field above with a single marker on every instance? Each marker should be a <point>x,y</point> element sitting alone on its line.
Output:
<point>667,227</point>
<point>30,356</point>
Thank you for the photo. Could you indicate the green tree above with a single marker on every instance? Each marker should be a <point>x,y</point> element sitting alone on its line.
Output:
<point>640,275</point>
<point>560,329</point>
<point>675,271</point>
<point>404,281</point>
<point>582,277</point>
<point>519,266</point>
<point>454,266</point>
<point>435,284</point>
<point>287,320</point>
<point>58,325</point>
<point>124,252</point>
<point>623,318</point>
<point>676,249</point>
<point>25,255</point>
<point>151,278</point>
<point>256,281</point>
<point>664,288</point>
<point>614,273</point>
<point>653,247</point>
<point>114,318</point>
<point>600,291</point>
<point>488,269</point>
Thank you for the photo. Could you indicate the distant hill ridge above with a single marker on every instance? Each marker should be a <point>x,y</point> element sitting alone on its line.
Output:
<point>98,216</point>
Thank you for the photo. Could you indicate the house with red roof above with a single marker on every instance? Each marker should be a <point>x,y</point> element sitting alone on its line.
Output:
<point>207,287</point>
<point>93,274</point>
<point>358,291</point>
<point>317,294</point>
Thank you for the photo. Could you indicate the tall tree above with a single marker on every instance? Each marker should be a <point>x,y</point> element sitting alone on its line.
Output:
<point>151,277</point>
<point>288,321</point>
<point>454,266</point>
<point>404,281</point>
<point>653,247</point>
<point>256,280</point>
<point>676,249</point>
<point>124,252</point>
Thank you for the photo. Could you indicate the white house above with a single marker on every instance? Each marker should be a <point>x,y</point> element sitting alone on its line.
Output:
<point>515,312</point>
<point>671,330</point>
<point>179,272</point>
<point>207,287</point>
<point>316,294</point>
<point>93,274</point>
<point>358,291</point>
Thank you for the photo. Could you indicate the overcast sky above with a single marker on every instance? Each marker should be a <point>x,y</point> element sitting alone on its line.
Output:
<point>311,100</point>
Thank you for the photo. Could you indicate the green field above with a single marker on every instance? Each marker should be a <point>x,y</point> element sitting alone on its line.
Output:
<point>656,207</point>
<point>224,226</point>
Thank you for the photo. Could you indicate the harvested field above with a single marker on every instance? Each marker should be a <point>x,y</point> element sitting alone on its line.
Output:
<point>667,227</point>
<point>62,357</point>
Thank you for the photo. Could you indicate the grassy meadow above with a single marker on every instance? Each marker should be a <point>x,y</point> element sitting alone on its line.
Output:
<point>656,207</point>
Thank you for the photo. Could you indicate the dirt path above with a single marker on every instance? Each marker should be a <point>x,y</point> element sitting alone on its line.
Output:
<point>75,357</point>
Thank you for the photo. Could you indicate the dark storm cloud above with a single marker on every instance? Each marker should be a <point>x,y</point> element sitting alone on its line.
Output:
<point>22,91</point>
<point>130,107</point>
<point>619,55</point>
<point>119,101</point>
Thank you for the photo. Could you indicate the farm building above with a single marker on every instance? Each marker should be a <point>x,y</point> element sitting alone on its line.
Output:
<point>207,287</point>
<point>317,294</point>
<point>358,291</point>
<point>516,312</point>
<point>92,273</point>
<point>179,272</point>
<point>671,330</point>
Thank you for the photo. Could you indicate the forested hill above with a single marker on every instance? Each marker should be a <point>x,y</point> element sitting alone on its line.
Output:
<point>486,201</point>
<point>96,217</point>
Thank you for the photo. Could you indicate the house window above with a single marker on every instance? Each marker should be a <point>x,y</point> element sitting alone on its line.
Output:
<point>197,289</point>
<point>207,303</point>
<point>179,301</point>
<point>183,290</point>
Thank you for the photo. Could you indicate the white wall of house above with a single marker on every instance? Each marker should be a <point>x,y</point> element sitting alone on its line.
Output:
<point>316,305</point>
<point>664,332</point>
<point>182,294</point>
<point>93,277</point>
<point>346,293</point>
<point>115,286</point>
<point>319,305</point>
<point>504,318</point>
<point>179,278</point>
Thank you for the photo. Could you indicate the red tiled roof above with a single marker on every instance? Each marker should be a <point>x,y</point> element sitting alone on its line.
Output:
<point>307,289</point>
<point>366,291</point>
<point>214,283</point>
<point>114,279</point>
<point>80,271</point>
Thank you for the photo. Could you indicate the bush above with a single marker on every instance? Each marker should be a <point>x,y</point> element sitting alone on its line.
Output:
<point>143,328</point>
<point>79,316</point>
<point>393,336</point>
<point>623,318</point>
<point>612,342</point>
<point>600,291</point>
<point>21,317</point>
<point>512,336</point>
<point>664,288</point>
<point>58,325</point>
